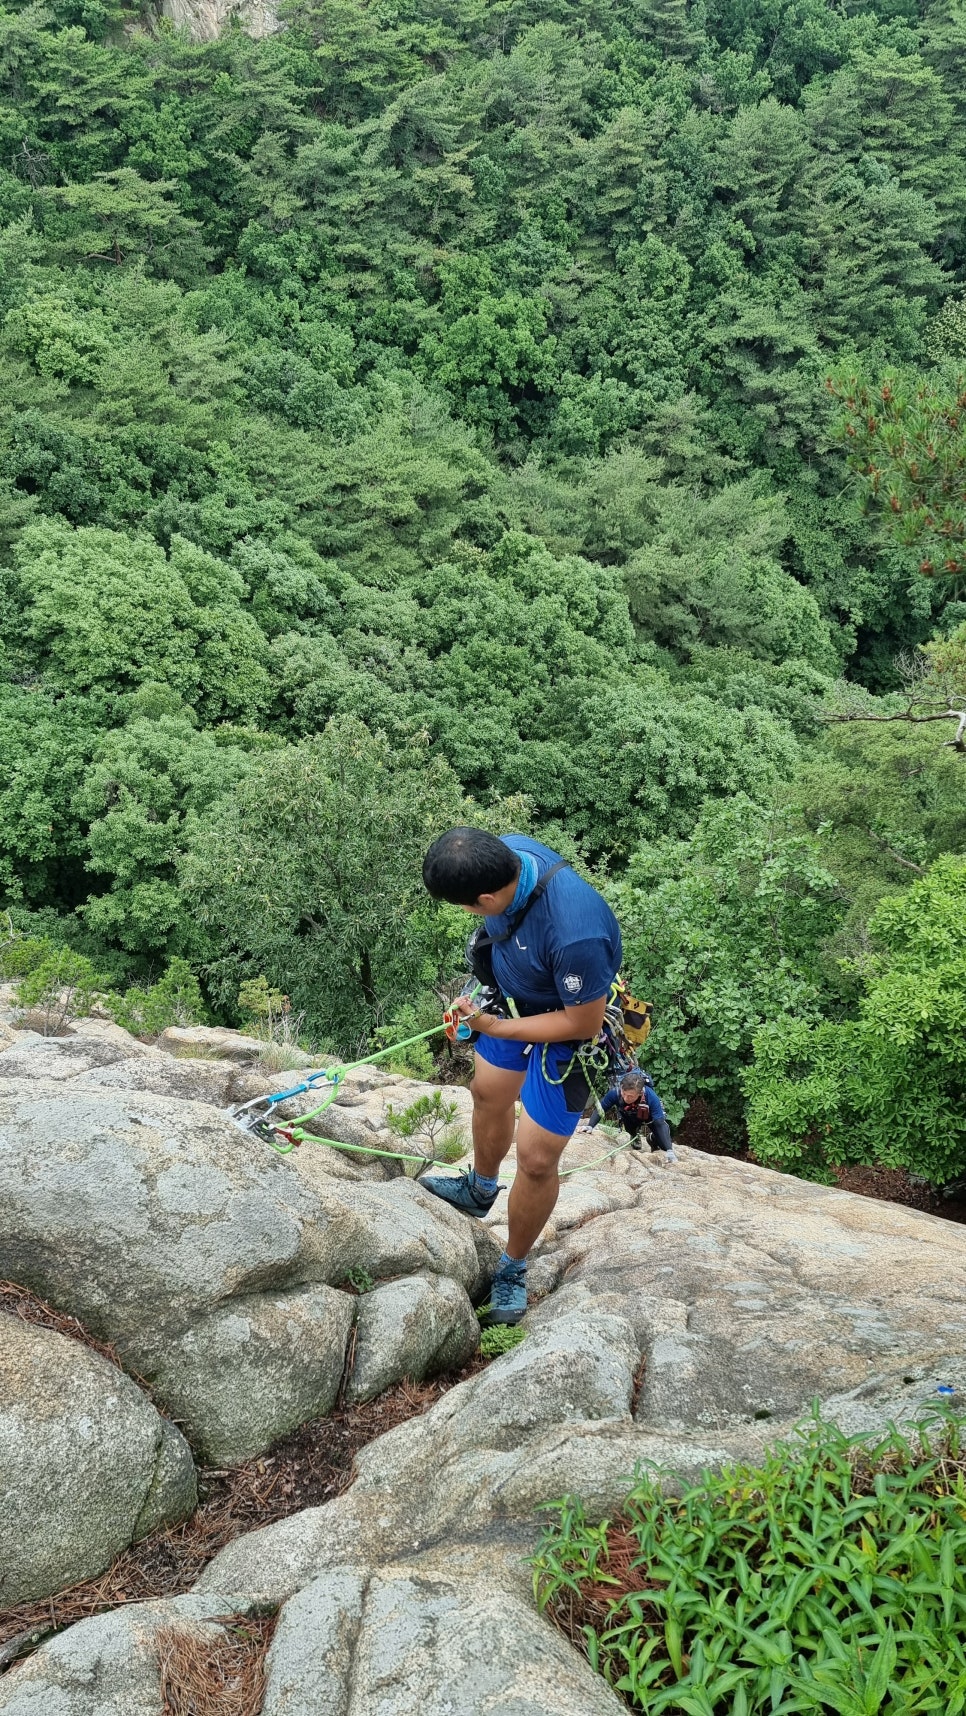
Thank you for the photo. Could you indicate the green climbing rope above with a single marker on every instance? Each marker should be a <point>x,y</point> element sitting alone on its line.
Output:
<point>340,1073</point>
<point>293,1133</point>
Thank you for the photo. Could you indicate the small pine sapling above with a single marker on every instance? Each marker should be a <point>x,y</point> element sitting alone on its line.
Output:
<point>431,1123</point>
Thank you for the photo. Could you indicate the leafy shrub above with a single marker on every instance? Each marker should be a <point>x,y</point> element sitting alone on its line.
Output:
<point>262,1006</point>
<point>55,982</point>
<point>20,955</point>
<point>886,1087</point>
<point>723,932</point>
<point>416,1060</point>
<point>174,1000</point>
<point>268,1013</point>
<point>830,1578</point>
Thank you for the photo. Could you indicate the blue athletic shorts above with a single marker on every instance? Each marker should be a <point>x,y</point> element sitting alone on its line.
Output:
<point>555,1107</point>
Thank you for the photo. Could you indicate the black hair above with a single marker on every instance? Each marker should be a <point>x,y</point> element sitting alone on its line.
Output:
<point>467,862</point>
<point>633,1080</point>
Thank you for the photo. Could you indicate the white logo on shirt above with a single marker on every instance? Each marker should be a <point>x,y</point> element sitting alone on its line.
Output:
<point>572,983</point>
<point>520,944</point>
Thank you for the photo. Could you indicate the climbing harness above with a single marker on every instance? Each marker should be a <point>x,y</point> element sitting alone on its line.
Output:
<point>604,1060</point>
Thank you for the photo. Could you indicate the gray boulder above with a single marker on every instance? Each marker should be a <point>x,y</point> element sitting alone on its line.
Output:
<point>399,1228</point>
<point>88,1466</point>
<point>414,1327</point>
<point>691,1326</point>
<point>583,1197</point>
<point>222,1044</point>
<point>565,1374</point>
<point>410,1643</point>
<point>904,1397</point>
<point>688,1332</point>
<point>478,1436</point>
<point>220,1083</point>
<point>309,1668</point>
<point>568,1370</point>
<point>264,1364</point>
<point>147,1218</point>
<point>754,1293</point>
<point>208,1261</point>
<point>407,1229</point>
<point>139,1213</point>
<point>30,1056</point>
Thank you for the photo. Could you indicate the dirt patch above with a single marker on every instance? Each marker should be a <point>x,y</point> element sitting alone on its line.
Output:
<point>895,1186</point>
<point>589,1603</point>
<point>702,1130</point>
<point>215,1677</point>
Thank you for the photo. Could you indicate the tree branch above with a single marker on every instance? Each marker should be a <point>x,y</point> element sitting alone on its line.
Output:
<point>905,715</point>
<point>958,715</point>
<point>896,857</point>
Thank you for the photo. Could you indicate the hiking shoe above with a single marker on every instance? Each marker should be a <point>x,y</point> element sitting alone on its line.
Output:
<point>637,1144</point>
<point>460,1194</point>
<point>508,1294</point>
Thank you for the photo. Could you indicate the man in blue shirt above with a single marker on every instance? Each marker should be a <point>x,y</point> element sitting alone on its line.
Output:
<point>555,948</point>
<point>637,1108</point>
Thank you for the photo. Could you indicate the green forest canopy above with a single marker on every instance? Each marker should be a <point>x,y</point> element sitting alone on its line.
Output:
<point>446,412</point>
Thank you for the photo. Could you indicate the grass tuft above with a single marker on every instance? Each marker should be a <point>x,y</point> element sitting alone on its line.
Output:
<point>281,1058</point>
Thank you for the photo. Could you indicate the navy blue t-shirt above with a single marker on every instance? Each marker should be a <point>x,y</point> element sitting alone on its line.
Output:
<point>568,947</point>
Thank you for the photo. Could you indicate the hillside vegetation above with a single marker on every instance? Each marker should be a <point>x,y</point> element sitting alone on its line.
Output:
<point>528,413</point>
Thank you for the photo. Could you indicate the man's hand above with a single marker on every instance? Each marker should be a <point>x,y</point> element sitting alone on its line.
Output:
<point>460,1019</point>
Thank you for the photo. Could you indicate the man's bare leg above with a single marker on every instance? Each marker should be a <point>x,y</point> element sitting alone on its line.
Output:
<point>494,1091</point>
<point>536,1187</point>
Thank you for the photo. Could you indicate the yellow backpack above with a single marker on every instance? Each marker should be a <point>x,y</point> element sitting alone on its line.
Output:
<point>637,1014</point>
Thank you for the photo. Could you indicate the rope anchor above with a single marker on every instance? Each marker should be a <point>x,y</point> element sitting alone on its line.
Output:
<point>255,1117</point>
